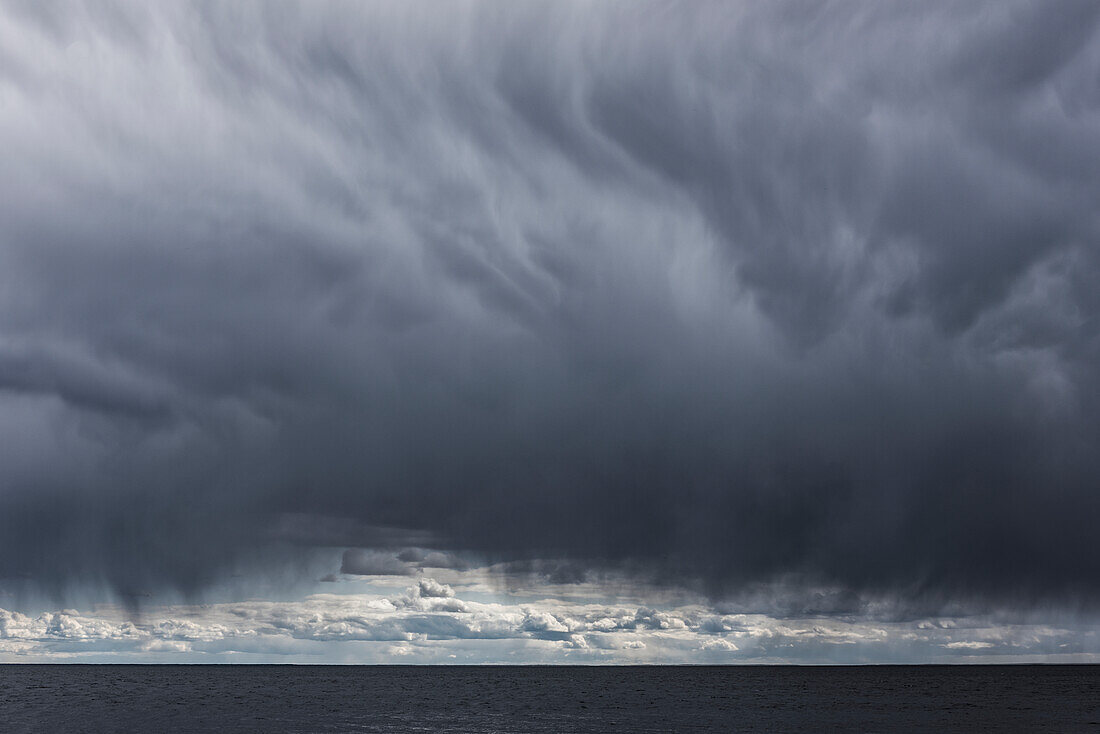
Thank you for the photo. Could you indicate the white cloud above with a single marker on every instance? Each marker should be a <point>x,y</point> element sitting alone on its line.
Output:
<point>430,588</point>
<point>429,622</point>
<point>968,645</point>
<point>720,644</point>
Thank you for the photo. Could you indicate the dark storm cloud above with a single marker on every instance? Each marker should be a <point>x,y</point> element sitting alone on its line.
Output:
<point>705,292</point>
<point>362,562</point>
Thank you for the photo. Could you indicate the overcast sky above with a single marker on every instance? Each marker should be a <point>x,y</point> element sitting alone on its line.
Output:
<point>497,329</point>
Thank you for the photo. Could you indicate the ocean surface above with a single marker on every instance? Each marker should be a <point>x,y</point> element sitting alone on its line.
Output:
<point>140,698</point>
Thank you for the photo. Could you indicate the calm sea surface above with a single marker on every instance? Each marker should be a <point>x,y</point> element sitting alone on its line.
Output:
<point>139,698</point>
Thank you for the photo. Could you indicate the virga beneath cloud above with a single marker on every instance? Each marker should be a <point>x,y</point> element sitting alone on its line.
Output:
<point>719,293</point>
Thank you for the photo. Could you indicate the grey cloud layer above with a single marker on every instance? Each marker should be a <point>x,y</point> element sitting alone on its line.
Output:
<point>706,291</point>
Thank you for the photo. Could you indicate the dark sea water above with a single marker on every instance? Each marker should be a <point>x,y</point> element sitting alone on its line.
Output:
<point>139,698</point>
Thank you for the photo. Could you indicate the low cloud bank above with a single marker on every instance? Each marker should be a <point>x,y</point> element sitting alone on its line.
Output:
<point>431,623</point>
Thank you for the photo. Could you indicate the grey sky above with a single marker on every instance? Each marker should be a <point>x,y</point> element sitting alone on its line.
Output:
<point>714,295</point>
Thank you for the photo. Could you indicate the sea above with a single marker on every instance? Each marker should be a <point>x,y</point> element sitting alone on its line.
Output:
<point>273,698</point>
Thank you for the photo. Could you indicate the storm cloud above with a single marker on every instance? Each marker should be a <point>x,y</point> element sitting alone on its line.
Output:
<point>717,293</point>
